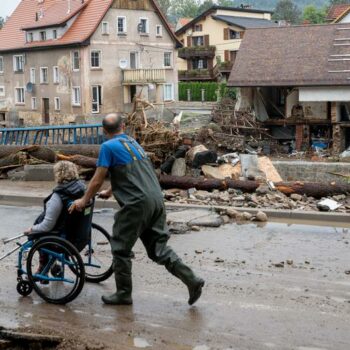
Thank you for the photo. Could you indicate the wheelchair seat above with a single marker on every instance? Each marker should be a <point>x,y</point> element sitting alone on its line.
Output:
<point>76,228</point>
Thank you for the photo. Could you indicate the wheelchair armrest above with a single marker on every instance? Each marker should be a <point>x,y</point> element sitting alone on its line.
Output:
<point>36,235</point>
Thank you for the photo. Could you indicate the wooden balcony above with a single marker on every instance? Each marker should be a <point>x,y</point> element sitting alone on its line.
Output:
<point>142,76</point>
<point>196,74</point>
<point>197,51</point>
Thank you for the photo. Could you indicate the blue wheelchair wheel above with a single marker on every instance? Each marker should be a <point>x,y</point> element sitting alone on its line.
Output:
<point>49,255</point>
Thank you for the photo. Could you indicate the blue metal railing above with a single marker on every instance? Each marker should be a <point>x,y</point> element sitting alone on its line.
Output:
<point>59,134</point>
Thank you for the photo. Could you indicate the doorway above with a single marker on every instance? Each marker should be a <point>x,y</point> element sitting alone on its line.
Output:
<point>46,111</point>
<point>132,92</point>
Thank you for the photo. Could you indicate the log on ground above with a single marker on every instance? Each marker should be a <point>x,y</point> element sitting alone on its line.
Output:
<point>310,189</point>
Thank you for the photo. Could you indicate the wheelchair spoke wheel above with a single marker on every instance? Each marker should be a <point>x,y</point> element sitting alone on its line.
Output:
<point>55,270</point>
<point>97,256</point>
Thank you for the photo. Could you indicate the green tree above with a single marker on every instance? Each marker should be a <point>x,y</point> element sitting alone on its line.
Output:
<point>227,3</point>
<point>184,8</point>
<point>165,6</point>
<point>206,4</point>
<point>313,15</point>
<point>2,22</point>
<point>286,10</point>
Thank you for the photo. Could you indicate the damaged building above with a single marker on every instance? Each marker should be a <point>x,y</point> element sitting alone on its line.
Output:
<point>296,80</point>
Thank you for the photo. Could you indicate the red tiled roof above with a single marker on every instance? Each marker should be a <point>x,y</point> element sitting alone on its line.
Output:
<point>12,37</point>
<point>90,14</point>
<point>183,21</point>
<point>336,10</point>
<point>56,14</point>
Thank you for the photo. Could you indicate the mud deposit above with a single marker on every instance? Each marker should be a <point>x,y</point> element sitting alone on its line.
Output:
<point>272,287</point>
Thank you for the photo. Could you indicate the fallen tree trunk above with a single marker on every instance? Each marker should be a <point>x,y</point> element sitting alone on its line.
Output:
<point>85,162</point>
<point>84,150</point>
<point>311,189</point>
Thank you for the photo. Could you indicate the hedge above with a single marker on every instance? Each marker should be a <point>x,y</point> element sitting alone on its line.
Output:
<point>210,88</point>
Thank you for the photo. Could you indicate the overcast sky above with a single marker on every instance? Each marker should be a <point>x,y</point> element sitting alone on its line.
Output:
<point>7,7</point>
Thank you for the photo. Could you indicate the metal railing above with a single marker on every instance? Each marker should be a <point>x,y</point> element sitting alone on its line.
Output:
<point>49,135</point>
<point>144,76</point>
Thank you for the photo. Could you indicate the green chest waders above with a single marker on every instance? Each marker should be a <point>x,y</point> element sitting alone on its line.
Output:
<point>136,188</point>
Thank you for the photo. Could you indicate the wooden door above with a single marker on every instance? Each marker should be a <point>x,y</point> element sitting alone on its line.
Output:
<point>46,111</point>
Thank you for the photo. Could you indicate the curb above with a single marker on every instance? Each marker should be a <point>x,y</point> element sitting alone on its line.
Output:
<point>294,217</point>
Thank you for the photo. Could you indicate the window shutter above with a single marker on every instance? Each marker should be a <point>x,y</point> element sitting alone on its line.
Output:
<point>241,34</point>
<point>189,65</point>
<point>226,33</point>
<point>226,55</point>
<point>201,27</point>
<point>189,39</point>
<point>206,40</point>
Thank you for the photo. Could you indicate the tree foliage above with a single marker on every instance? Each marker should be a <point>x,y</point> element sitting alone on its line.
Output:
<point>2,22</point>
<point>313,15</point>
<point>287,10</point>
<point>338,2</point>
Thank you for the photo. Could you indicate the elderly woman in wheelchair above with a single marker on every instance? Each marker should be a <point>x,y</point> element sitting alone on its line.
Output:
<point>63,250</point>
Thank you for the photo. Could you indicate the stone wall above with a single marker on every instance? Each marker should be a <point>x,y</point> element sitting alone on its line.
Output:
<point>311,171</point>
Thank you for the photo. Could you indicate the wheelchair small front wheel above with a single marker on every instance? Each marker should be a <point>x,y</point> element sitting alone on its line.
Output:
<point>55,270</point>
<point>24,288</point>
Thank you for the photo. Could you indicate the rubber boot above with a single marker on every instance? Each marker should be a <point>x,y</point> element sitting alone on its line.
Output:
<point>123,294</point>
<point>186,275</point>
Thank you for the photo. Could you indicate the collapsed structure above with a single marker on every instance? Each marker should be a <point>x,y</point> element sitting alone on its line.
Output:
<point>296,80</point>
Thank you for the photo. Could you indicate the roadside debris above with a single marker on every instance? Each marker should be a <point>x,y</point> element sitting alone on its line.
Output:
<point>328,205</point>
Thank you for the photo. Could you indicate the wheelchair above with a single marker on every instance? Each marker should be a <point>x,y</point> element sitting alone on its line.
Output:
<point>66,261</point>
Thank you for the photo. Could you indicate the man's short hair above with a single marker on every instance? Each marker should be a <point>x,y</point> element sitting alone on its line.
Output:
<point>113,123</point>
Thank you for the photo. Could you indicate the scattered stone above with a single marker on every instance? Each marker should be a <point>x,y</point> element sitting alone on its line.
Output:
<point>179,167</point>
<point>280,264</point>
<point>232,213</point>
<point>289,262</point>
<point>247,216</point>
<point>307,262</point>
<point>296,197</point>
<point>212,220</point>
<point>219,260</point>
<point>198,251</point>
<point>347,272</point>
<point>195,228</point>
<point>261,216</point>
<point>225,219</point>
<point>262,189</point>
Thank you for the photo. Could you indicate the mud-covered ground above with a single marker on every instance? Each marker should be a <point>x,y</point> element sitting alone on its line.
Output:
<point>247,303</point>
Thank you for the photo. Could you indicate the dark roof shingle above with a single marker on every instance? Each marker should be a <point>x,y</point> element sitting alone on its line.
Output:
<point>311,55</point>
<point>245,22</point>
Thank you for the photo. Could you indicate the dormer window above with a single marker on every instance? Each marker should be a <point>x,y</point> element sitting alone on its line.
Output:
<point>54,34</point>
<point>30,37</point>
<point>43,36</point>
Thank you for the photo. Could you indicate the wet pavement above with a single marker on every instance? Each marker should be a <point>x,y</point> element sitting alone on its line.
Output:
<point>247,303</point>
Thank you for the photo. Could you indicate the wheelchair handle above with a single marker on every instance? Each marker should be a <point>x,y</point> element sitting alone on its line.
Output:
<point>13,238</point>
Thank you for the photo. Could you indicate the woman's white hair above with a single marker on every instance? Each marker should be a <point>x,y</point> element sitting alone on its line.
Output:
<point>65,171</point>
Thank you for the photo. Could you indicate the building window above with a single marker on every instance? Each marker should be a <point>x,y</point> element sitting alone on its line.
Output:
<point>43,36</point>
<point>159,30</point>
<point>199,63</point>
<point>18,63</point>
<point>34,105</point>
<point>234,34</point>
<point>198,28</point>
<point>121,24</point>
<point>105,28</point>
<point>134,60</point>
<point>2,91</point>
<point>143,26</point>
<point>96,59</point>
<point>54,34</point>
<point>44,75</point>
<point>56,75</point>
<point>19,96</point>
<point>198,41</point>
<point>32,75</point>
<point>76,96</point>
<point>167,59</point>
<point>30,37</point>
<point>57,104</point>
<point>1,64</point>
<point>96,98</point>
<point>76,60</point>
<point>168,92</point>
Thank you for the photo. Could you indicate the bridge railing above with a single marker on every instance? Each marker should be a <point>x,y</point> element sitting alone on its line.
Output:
<point>58,134</point>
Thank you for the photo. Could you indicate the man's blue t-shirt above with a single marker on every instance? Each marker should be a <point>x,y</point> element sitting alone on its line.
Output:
<point>114,153</point>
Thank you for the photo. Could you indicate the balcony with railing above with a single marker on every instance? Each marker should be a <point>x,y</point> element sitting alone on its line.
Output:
<point>223,67</point>
<point>196,74</point>
<point>197,51</point>
<point>136,76</point>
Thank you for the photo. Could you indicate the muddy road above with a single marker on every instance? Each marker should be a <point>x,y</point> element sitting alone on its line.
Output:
<point>247,303</point>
